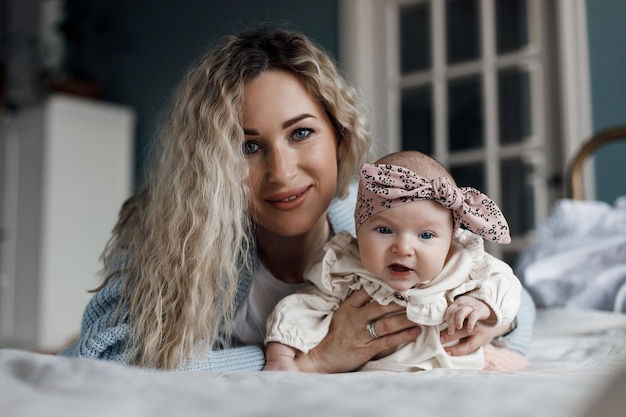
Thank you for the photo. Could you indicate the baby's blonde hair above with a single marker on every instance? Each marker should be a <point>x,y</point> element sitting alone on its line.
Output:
<point>418,162</point>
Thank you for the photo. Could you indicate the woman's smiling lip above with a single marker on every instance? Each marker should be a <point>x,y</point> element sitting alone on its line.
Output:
<point>289,200</point>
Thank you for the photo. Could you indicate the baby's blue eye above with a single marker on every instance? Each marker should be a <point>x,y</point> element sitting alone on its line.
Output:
<point>250,147</point>
<point>383,230</point>
<point>426,235</point>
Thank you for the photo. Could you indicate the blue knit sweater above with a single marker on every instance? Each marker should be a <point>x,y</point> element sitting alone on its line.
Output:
<point>103,336</point>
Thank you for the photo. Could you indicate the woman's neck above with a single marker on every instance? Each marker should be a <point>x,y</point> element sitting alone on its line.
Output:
<point>286,257</point>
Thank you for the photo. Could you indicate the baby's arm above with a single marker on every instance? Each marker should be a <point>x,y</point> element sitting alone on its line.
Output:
<point>467,308</point>
<point>279,357</point>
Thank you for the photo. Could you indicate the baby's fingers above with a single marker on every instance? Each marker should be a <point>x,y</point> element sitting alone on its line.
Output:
<point>479,312</point>
<point>450,319</point>
<point>458,318</point>
<point>451,328</point>
<point>472,319</point>
<point>453,322</point>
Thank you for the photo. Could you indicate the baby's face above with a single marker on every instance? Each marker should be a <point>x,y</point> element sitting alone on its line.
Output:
<point>407,244</point>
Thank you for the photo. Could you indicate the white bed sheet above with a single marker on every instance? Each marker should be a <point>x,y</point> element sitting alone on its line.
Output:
<point>575,355</point>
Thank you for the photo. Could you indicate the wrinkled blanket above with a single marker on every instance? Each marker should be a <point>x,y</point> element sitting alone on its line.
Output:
<point>579,260</point>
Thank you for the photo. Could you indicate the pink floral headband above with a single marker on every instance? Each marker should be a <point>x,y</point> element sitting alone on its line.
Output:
<point>385,186</point>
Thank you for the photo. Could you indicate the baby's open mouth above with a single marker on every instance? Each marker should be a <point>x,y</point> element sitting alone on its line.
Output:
<point>399,268</point>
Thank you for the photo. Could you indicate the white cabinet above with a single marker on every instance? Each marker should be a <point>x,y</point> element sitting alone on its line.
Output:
<point>65,170</point>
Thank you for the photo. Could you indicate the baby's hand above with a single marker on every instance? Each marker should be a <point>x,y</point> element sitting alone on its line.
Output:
<point>279,357</point>
<point>466,308</point>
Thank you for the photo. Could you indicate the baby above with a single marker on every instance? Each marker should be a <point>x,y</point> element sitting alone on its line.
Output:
<point>419,244</point>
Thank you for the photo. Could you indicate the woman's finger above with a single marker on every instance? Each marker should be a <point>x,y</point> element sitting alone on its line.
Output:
<point>390,332</point>
<point>369,310</point>
<point>358,298</point>
<point>390,324</point>
<point>387,344</point>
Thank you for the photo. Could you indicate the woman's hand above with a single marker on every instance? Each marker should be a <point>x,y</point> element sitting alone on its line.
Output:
<point>349,344</point>
<point>496,358</point>
<point>470,342</point>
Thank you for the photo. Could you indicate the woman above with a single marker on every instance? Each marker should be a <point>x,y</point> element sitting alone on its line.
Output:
<point>262,134</point>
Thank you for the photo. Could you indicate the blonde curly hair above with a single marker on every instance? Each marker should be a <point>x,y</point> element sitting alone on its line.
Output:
<point>187,237</point>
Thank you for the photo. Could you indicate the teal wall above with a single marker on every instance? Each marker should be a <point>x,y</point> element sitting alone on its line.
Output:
<point>607,56</point>
<point>138,50</point>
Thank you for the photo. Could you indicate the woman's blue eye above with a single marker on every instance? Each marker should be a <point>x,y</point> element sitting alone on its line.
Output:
<point>426,235</point>
<point>383,230</point>
<point>301,133</point>
<point>250,147</point>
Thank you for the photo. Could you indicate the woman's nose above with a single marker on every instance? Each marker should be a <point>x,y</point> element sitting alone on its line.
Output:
<point>281,166</point>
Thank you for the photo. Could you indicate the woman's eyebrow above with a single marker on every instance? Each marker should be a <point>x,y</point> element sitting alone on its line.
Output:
<point>296,119</point>
<point>288,123</point>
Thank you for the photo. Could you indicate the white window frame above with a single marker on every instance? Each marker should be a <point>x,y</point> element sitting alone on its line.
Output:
<point>362,37</point>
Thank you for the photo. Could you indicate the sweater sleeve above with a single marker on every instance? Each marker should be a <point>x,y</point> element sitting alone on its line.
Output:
<point>341,212</point>
<point>104,335</point>
<point>519,339</point>
<point>244,358</point>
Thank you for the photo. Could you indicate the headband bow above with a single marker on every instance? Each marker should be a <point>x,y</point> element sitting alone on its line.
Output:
<point>385,186</point>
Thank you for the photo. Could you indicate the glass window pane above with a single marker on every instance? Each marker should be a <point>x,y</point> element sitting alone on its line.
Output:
<point>465,114</point>
<point>417,133</point>
<point>470,175</point>
<point>518,198</point>
<point>414,38</point>
<point>514,105</point>
<point>511,25</point>
<point>462,30</point>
